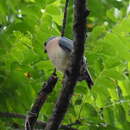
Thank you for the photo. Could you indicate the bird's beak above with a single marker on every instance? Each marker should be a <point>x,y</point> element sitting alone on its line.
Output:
<point>45,46</point>
<point>45,51</point>
<point>45,43</point>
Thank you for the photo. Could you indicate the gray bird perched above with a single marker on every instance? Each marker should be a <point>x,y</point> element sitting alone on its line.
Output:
<point>59,50</point>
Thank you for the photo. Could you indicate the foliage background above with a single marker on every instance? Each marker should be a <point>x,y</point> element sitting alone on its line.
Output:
<point>26,24</point>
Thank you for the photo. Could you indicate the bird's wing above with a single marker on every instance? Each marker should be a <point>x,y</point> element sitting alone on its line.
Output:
<point>66,44</point>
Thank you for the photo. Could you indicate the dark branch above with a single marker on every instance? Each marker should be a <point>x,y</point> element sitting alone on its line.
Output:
<point>65,17</point>
<point>20,116</point>
<point>80,13</point>
<point>38,122</point>
<point>34,112</point>
<point>12,115</point>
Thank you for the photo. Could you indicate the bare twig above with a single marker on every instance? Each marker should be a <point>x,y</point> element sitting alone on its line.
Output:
<point>71,75</point>
<point>65,17</point>
<point>38,122</point>
<point>20,116</point>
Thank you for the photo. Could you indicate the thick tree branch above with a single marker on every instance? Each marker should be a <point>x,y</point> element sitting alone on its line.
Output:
<point>80,13</point>
<point>42,96</point>
<point>39,123</point>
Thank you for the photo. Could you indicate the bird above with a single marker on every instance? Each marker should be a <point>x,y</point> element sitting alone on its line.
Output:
<point>59,50</point>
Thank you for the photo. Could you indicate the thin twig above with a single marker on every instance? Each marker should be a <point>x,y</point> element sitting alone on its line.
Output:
<point>65,17</point>
<point>38,122</point>
<point>20,116</point>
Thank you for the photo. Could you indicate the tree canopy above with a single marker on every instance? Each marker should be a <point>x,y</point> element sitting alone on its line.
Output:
<point>24,27</point>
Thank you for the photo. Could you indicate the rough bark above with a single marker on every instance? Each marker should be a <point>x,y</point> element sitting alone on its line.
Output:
<point>80,13</point>
<point>65,18</point>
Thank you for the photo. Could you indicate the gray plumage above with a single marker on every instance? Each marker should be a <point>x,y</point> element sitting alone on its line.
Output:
<point>59,50</point>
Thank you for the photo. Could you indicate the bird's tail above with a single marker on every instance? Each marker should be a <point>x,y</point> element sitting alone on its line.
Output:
<point>84,73</point>
<point>87,77</point>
